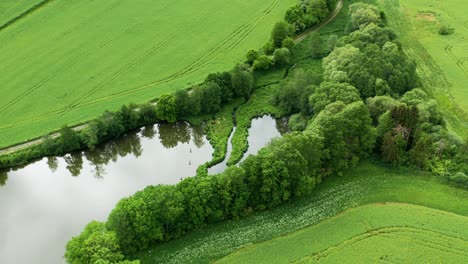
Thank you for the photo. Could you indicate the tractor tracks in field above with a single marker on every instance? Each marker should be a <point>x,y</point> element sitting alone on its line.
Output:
<point>70,64</point>
<point>238,35</point>
<point>243,31</point>
<point>427,238</point>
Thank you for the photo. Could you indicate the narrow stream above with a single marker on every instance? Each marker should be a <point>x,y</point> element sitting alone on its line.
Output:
<point>47,202</point>
<point>218,168</point>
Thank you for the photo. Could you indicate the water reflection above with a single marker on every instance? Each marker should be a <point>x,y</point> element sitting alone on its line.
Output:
<point>3,177</point>
<point>262,131</point>
<point>47,202</point>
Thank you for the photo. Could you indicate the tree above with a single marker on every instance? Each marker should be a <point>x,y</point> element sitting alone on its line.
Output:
<point>252,56</point>
<point>332,41</point>
<point>182,101</point>
<point>295,16</point>
<point>348,134</point>
<point>279,33</point>
<point>49,146</point>
<point>242,81</point>
<point>318,9</point>
<point>316,45</point>
<point>329,92</point>
<point>90,135</point>
<point>69,139</point>
<point>211,94</point>
<point>393,148</point>
<point>281,56</point>
<point>223,80</point>
<point>288,43</point>
<point>94,244</point>
<point>293,96</point>
<point>364,14</point>
<point>264,62</point>
<point>166,108</point>
<point>268,48</point>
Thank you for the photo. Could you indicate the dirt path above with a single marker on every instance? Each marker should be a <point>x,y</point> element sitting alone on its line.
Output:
<point>301,37</point>
<point>327,20</point>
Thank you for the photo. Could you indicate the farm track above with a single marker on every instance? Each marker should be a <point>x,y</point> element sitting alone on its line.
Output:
<point>244,31</point>
<point>425,237</point>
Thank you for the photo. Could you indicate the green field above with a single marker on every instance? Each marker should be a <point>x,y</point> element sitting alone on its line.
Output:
<point>442,61</point>
<point>68,61</point>
<point>366,184</point>
<point>10,9</point>
<point>376,233</point>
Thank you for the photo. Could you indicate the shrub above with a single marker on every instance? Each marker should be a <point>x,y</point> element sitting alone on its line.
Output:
<point>445,30</point>
<point>263,62</point>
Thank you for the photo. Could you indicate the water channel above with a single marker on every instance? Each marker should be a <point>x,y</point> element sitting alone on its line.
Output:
<point>45,203</point>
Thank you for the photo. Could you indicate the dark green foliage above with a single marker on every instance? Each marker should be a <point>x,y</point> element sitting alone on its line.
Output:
<point>328,93</point>
<point>348,134</point>
<point>316,45</point>
<point>49,145</point>
<point>279,33</point>
<point>281,56</point>
<point>288,43</point>
<point>211,97</point>
<point>223,80</point>
<point>445,30</point>
<point>242,81</point>
<point>374,69</point>
<point>147,217</point>
<point>298,122</point>
<point>307,14</point>
<point>69,139</point>
<point>94,245</point>
<point>268,48</point>
<point>364,14</point>
<point>264,62</point>
<point>252,55</point>
<point>378,105</point>
<point>183,103</point>
<point>293,97</point>
<point>166,108</point>
<point>318,10</point>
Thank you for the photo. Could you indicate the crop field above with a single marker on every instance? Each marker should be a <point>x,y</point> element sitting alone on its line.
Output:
<point>394,233</point>
<point>10,9</point>
<point>366,184</point>
<point>68,61</point>
<point>442,60</point>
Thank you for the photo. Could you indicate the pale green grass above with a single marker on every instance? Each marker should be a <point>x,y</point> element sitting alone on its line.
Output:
<point>10,9</point>
<point>376,233</point>
<point>442,61</point>
<point>368,183</point>
<point>70,60</point>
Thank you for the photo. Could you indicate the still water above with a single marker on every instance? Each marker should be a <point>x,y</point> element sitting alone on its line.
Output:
<point>262,131</point>
<point>45,203</point>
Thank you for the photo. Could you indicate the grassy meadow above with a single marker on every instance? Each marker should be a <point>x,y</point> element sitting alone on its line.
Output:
<point>99,55</point>
<point>366,184</point>
<point>442,61</point>
<point>386,232</point>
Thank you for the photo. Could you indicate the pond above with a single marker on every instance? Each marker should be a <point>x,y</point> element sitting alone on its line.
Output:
<point>47,202</point>
<point>261,132</point>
